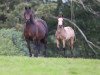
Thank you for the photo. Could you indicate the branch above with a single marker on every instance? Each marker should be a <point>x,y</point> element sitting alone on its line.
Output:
<point>90,44</point>
<point>86,8</point>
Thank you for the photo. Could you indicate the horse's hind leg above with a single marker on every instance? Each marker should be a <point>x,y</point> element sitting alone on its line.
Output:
<point>71,45</point>
<point>44,41</point>
<point>28,44</point>
<point>45,45</point>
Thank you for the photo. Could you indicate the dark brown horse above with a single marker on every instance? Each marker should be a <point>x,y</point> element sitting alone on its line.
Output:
<point>35,30</point>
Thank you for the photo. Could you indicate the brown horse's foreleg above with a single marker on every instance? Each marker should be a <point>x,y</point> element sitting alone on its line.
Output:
<point>28,44</point>
<point>37,51</point>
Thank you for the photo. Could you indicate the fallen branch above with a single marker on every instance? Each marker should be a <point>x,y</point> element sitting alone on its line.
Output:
<point>90,44</point>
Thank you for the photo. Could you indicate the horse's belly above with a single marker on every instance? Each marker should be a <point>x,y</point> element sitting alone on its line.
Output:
<point>59,36</point>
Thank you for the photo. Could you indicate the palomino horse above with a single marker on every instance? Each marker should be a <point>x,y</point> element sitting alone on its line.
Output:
<point>35,30</point>
<point>65,34</point>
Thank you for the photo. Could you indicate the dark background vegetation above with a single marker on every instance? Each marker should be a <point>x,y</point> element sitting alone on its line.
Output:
<point>11,25</point>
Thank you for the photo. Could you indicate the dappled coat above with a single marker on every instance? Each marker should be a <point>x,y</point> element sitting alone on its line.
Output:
<point>65,33</point>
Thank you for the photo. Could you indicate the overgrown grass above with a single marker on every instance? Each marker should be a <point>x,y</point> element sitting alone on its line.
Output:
<point>48,66</point>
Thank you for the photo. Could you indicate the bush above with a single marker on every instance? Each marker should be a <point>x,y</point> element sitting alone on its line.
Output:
<point>45,9</point>
<point>16,16</point>
<point>11,43</point>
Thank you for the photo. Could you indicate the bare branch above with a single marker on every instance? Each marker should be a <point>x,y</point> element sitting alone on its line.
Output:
<point>86,7</point>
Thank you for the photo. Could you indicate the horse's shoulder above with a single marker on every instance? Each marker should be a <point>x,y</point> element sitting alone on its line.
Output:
<point>43,23</point>
<point>68,28</point>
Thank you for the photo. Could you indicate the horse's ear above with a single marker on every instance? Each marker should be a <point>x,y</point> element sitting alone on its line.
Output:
<point>26,8</point>
<point>29,7</point>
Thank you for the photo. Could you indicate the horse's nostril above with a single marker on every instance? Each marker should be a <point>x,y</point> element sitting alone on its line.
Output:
<point>60,26</point>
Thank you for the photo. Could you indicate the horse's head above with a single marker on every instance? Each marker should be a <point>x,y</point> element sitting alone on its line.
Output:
<point>28,15</point>
<point>60,22</point>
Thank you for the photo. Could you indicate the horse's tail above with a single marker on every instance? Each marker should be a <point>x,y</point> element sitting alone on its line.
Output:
<point>75,38</point>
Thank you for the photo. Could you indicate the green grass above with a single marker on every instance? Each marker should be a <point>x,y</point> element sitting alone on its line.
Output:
<point>48,66</point>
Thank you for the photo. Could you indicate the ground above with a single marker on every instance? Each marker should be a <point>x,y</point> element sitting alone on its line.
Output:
<point>13,65</point>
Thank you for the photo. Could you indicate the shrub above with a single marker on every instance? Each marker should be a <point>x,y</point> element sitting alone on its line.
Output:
<point>45,9</point>
<point>11,43</point>
<point>16,16</point>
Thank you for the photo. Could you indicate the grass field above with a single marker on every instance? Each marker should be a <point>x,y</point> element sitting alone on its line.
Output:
<point>48,66</point>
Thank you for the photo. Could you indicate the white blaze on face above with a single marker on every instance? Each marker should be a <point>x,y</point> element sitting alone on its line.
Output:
<point>60,21</point>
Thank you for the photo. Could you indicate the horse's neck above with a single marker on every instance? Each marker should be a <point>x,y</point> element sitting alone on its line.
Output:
<point>60,30</point>
<point>32,20</point>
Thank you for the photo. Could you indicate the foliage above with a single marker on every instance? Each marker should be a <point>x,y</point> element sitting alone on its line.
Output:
<point>11,43</point>
<point>16,16</point>
<point>46,9</point>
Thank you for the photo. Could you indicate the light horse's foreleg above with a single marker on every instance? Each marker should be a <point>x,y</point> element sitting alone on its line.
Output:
<point>57,42</point>
<point>64,42</point>
<point>28,44</point>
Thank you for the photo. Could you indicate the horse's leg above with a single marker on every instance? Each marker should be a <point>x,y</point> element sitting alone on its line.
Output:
<point>45,46</point>
<point>38,47</point>
<point>57,42</point>
<point>28,44</point>
<point>64,45</point>
<point>36,51</point>
<point>71,45</point>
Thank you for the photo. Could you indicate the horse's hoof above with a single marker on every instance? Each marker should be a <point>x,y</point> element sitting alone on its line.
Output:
<point>35,55</point>
<point>30,55</point>
<point>45,55</point>
<point>58,49</point>
<point>63,49</point>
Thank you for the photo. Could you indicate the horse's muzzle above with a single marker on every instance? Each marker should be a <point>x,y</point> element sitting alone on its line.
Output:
<point>60,26</point>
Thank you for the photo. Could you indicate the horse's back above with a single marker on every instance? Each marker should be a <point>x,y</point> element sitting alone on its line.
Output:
<point>69,32</point>
<point>42,26</point>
